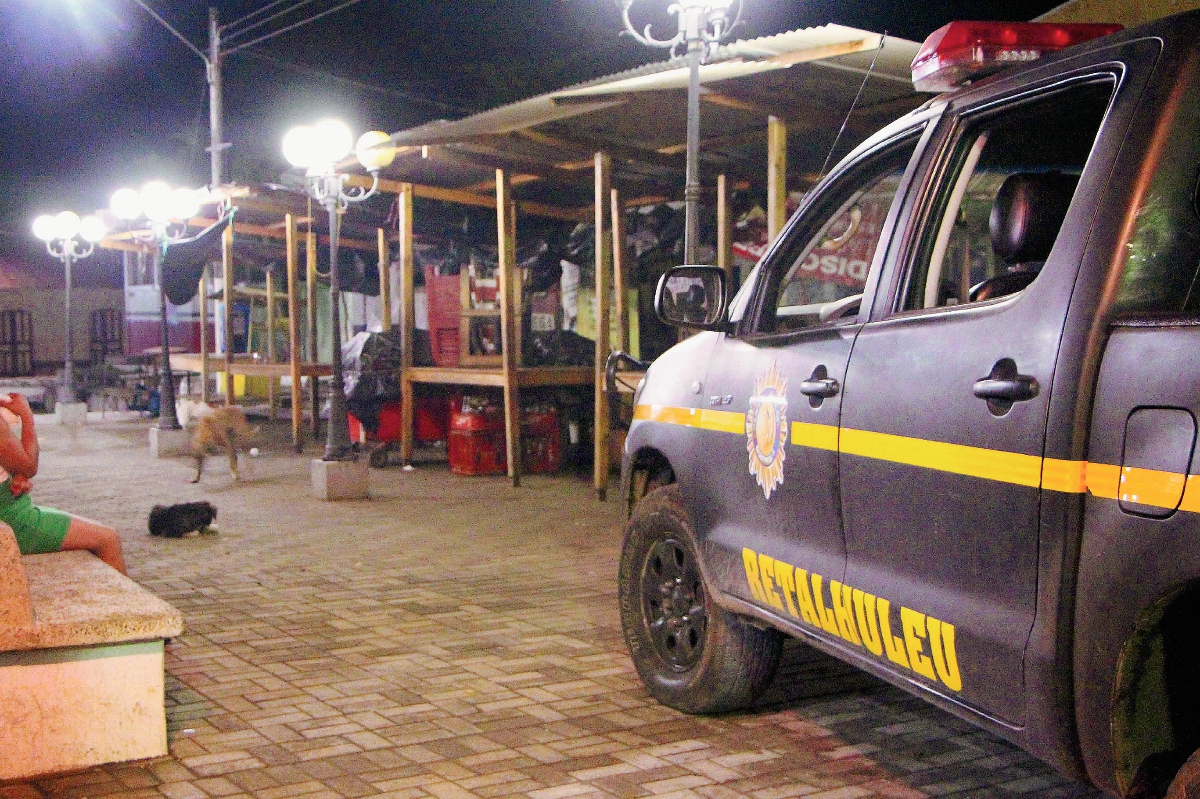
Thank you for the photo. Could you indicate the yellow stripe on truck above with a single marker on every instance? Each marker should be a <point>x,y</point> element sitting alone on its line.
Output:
<point>817,436</point>
<point>990,464</point>
<point>1131,484</point>
<point>701,418</point>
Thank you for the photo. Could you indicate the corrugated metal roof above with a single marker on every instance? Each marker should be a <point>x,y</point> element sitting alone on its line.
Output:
<point>809,78</point>
<point>824,47</point>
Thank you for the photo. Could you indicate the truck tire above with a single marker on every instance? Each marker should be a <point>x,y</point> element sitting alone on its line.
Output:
<point>691,654</point>
<point>1186,784</point>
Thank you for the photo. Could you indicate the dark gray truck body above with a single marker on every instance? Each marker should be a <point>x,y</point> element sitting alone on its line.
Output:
<point>1029,563</point>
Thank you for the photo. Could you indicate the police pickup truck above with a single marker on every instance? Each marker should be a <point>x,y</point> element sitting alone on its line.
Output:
<point>945,431</point>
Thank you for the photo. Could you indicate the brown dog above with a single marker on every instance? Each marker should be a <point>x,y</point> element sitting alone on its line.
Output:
<point>220,428</point>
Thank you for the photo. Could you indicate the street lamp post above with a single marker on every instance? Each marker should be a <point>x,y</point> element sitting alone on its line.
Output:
<point>702,25</point>
<point>60,232</point>
<point>318,149</point>
<point>166,212</point>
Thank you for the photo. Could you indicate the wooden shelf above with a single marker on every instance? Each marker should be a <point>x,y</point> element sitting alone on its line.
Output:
<point>526,377</point>
<point>193,362</point>
<point>252,291</point>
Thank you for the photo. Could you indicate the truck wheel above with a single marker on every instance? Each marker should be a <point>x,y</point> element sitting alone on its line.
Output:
<point>691,655</point>
<point>1186,784</point>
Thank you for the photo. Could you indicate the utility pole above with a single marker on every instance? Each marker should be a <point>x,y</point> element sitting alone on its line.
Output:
<point>213,69</point>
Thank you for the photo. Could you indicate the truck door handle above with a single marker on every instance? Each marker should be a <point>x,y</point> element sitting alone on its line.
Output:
<point>1017,389</point>
<point>819,387</point>
<point>1005,385</point>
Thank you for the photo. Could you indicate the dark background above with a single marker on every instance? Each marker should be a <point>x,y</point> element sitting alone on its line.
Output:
<point>97,95</point>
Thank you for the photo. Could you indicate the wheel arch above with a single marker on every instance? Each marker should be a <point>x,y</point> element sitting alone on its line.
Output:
<point>647,469</point>
<point>1156,697</point>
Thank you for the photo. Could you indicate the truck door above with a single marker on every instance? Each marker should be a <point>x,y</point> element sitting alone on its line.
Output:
<point>771,500</point>
<point>946,395</point>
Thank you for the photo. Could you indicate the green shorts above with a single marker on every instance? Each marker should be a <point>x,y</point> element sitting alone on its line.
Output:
<point>37,529</point>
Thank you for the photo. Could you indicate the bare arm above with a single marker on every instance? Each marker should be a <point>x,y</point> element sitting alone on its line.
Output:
<point>18,456</point>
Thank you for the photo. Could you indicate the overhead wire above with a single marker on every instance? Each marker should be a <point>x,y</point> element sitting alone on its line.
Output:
<point>291,27</point>
<point>407,96</point>
<point>262,22</point>
<point>252,15</point>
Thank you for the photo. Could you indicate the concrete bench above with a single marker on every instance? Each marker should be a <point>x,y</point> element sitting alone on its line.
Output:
<point>81,663</point>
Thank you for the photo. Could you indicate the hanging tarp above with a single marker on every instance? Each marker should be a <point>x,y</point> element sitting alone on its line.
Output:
<point>183,262</point>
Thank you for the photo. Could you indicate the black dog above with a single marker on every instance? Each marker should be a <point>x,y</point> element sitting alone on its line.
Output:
<point>176,521</point>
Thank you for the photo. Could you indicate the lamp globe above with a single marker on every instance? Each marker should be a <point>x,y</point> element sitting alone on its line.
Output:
<point>44,227</point>
<point>126,204</point>
<point>375,150</point>
<point>92,228</point>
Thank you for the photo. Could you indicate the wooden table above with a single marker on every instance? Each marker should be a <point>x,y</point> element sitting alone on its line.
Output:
<point>524,377</point>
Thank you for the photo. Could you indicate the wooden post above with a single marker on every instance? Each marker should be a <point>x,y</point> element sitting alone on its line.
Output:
<point>314,388</point>
<point>724,232</point>
<point>385,279</point>
<point>271,345</point>
<point>604,265</point>
<point>408,320</point>
<point>620,264</point>
<point>289,226</point>
<point>776,176</point>
<point>227,297</point>
<point>204,334</point>
<point>509,288</point>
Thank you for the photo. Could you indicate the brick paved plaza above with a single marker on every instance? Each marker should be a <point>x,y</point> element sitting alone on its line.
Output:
<point>455,637</point>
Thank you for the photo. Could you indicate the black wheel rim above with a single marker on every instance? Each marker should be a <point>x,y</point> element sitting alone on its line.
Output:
<point>673,604</point>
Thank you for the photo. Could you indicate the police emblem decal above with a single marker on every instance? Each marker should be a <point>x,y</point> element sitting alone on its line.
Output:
<point>767,430</point>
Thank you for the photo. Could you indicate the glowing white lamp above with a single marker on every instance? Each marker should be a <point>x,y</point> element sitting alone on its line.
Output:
<point>66,225</point>
<point>44,227</point>
<point>156,201</point>
<point>184,204</point>
<point>334,140</point>
<point>126,204</point>
<point>92,228</point>
<point>375,150</point>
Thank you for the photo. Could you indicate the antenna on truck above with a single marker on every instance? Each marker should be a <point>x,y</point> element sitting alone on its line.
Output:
<point>853,105</point>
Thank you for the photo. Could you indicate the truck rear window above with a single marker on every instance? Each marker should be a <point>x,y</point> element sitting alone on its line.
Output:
<point>1162,263</point>
<point>1028,154</point>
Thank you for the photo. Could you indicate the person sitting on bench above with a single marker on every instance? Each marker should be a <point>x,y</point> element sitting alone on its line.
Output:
<point>39,529</point>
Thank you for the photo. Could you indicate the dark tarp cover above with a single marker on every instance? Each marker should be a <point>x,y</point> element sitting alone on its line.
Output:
<point>183,262</point>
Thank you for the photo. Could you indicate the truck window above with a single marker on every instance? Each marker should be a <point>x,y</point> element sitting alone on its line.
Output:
<point>1162,264</point>
<point>1013,175</point>
<point>833,248</point>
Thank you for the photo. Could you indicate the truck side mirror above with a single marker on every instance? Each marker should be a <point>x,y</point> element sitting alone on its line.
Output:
<point>692,296</point>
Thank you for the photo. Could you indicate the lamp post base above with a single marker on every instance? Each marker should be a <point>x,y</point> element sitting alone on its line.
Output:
<point>70,413</point>
<point>166,443</point>
<point>338,480</point>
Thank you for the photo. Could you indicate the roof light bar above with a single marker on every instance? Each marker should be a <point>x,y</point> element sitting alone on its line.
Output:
<point>958,53</point>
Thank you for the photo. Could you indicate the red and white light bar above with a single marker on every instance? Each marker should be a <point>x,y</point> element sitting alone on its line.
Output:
<point>961,52</point>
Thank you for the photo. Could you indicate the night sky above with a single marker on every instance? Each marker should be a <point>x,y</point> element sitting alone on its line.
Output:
<point>97,95</point>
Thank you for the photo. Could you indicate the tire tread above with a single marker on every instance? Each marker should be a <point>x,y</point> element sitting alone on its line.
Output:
<point>739,660</point>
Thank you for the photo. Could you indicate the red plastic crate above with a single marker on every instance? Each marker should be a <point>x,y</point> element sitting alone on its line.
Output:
<point>429,423</point>
<point>443,341</point>
<point>444,309</point>
<point>541,448</point>
<point>476,442</point>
